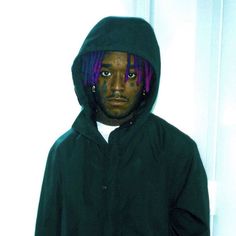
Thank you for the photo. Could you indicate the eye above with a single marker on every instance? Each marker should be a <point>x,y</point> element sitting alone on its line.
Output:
<point>132,75</point>
<point>105,73</point>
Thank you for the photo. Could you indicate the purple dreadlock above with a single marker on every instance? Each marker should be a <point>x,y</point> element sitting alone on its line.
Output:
<point>92,62</point>
<point>91,66</point>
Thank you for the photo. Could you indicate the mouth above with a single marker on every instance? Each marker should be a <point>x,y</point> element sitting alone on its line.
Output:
<point>117,101</point>
<point>119,98</point>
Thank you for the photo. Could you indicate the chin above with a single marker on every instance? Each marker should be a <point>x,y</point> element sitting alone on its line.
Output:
<point>118,115</point>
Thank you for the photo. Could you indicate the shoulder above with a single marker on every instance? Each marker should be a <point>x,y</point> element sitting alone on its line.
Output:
<point>65,139</point>
<point>169,137</point>
<point>165,128</point>
<point>64,143</point>
<point>175,148</point>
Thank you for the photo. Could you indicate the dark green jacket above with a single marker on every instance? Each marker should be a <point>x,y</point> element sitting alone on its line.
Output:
<point>147,181</point>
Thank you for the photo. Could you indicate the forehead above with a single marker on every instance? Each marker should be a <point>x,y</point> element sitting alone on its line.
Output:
<point>118,58</point>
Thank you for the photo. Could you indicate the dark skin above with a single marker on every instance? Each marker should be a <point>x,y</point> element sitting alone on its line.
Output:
<point>117,99</point>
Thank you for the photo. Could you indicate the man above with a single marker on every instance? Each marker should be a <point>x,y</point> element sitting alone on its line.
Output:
<point>120,170</point>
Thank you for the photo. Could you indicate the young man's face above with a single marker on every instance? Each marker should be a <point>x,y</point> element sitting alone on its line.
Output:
<point>117,98</point>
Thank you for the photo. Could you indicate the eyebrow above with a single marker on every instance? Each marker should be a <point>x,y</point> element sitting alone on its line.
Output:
<point>131,66</point>
<point>106,65</point>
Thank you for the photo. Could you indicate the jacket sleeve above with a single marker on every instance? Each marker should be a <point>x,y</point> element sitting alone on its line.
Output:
<point>190,211</point>
<point>49,210</point>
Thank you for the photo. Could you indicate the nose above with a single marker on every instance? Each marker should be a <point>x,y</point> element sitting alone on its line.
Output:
<point>118,82</point>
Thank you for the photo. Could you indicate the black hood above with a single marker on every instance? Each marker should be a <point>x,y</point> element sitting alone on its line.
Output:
<point>125,34</point>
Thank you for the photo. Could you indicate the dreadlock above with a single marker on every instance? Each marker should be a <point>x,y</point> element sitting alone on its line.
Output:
<point>92,62</point>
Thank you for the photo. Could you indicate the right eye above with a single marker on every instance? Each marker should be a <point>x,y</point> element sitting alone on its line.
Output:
<point>105,73</point>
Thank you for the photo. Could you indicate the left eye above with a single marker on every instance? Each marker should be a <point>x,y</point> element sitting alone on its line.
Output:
<point>132,75</point>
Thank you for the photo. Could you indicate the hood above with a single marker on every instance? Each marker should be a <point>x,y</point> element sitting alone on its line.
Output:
<point>126,34</point>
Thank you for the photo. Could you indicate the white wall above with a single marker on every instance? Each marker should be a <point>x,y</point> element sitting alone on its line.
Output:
<point>226,132</point>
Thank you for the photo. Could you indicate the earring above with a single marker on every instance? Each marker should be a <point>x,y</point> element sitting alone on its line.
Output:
<point>93,89</point>
<point>144,92</point>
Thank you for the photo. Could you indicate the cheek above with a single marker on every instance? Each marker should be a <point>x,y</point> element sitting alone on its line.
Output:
<point>132,84</point>
<point>103,87</point>
<point>134,88</point>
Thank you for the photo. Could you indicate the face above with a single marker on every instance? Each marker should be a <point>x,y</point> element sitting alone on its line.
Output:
<point>117,98</point>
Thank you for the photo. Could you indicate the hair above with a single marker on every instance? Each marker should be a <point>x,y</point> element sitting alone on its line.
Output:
<point>92,62</point>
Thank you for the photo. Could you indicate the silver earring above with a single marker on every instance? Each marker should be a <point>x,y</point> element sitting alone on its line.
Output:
<point>144,92</point>
<point>93,89</point>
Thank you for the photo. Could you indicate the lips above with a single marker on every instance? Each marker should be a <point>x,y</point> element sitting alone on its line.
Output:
<point>117,101</point>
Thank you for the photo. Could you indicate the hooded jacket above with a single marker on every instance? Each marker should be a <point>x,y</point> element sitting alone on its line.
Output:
<point>147,180</point>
